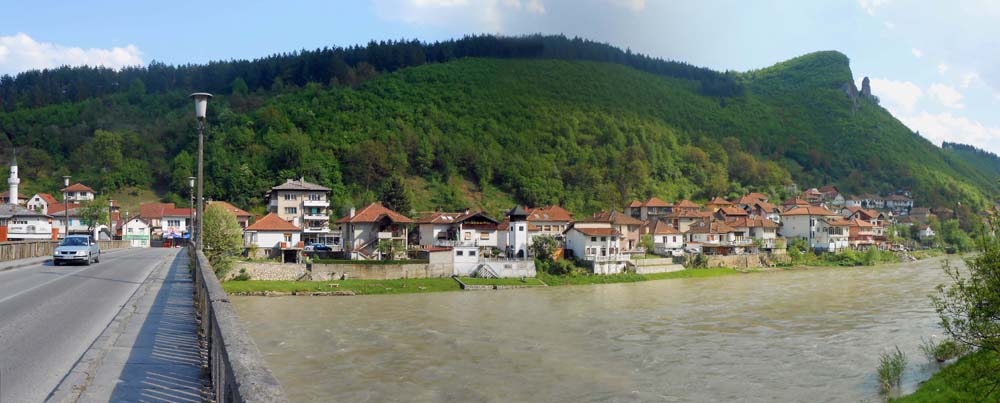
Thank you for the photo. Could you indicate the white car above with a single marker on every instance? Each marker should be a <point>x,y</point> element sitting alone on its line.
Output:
<point>77,249</point>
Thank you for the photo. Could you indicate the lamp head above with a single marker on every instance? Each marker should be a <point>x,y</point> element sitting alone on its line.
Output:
<point>66,180</point>
<point>191,181</point>
<point>200,104</point>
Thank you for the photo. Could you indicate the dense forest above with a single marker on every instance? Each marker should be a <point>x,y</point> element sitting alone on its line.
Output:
<point>982,160</point>
<point>477,122</point>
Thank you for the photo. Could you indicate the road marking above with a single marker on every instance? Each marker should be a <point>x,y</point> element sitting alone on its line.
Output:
<point>9,297</point>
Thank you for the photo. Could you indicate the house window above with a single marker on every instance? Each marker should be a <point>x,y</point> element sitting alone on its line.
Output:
<point>484,236</point>
<point>472,253</point>
<point>130,230</point>
<point>173,223</point>
<point>593,239</point>
<point>315,197</point>
<point>520,228</point>
<point>288,238</point>
<point>604,239</point>
<point>290,196</point>
<point>291,210</point>
<point>468,236</point>
<point>547,228</point>
<point>459,253</point>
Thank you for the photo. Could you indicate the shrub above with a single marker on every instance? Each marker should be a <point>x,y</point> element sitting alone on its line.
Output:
<point>943,351</point>
<point>243,276</point>
<point>890,369</point>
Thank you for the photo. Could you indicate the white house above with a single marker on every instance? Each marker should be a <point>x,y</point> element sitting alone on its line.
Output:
<point>600,245</point>
<point>926,232</point>
<point>20,224</point>
<point>78,192</point>
<point>273,236</point>
<point>832,234</point>
<point>452,229</point>
<point>40,202</point>
<point>667,240</point>
<point>363,231</point>
<point>718,238</point>
<point>137,232</point>
<point>804,222</point>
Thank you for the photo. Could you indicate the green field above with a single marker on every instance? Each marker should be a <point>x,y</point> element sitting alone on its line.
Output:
<point>501,281</point>
<point>956,383</point>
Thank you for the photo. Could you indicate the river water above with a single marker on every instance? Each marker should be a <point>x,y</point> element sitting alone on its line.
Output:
<point>790,336</point>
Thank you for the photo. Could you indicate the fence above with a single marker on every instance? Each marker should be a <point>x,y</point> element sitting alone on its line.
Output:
<point>28,249</point>
<point>238,371</point>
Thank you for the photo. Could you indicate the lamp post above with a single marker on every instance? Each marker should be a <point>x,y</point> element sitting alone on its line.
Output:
<point>111,222</point>
<point>66,204</point>
<point>191,210</point>
<point>200,109</point>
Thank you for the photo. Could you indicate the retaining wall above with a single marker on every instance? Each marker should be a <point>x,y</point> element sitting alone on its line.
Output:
<point>268,271</point>
<point>323,272</point>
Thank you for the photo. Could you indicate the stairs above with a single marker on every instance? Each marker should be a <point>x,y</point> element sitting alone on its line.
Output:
<point>485,271</point>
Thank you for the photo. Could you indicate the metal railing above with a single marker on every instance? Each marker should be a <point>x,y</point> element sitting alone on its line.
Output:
<point>238,371</point>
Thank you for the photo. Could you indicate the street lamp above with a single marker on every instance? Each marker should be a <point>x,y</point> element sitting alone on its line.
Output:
<point>111,222</point>
<point>66,204</point>
<point>200,109</point>
<point>191,210</point>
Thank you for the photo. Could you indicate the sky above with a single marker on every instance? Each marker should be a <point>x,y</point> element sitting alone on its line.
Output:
<point>934,65</point>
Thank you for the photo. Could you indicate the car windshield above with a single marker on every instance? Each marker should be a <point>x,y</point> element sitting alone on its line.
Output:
<point>75,241</point>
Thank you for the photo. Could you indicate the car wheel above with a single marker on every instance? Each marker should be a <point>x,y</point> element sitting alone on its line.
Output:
<point>56,263</point>
<point>87,262</point>
<point>98,258</point>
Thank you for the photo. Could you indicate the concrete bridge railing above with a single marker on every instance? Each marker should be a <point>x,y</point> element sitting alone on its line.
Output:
<point>238,371</point>
<point>29,249</point>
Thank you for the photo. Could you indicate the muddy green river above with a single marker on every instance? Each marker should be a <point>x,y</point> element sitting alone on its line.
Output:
<point>787,336</point>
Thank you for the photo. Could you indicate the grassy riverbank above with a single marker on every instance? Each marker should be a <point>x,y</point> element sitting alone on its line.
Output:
<point>955,383</point>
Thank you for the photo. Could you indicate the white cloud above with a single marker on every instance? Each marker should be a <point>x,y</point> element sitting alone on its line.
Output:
<point>917,52</point>
<point>20,53</point>
<point>871,6</point>
<point>968,78</point>
<point>897,96</point>
<point>946,95</point>
<point>943,68</point>
<point>634,5</point>
<point>479,15</point>
<point>947,127</point>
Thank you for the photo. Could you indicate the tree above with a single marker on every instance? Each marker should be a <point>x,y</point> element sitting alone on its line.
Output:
<point>543,247</point>
<point>94,213</point>
<point>222,237</point>
<point>396,196</point>
<point>969,309</point>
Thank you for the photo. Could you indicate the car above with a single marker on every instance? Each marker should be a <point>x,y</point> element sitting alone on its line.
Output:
<point>319,247</point>
<point>77,249</point>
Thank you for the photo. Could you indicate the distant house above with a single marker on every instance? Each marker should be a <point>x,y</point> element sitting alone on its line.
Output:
<point>715,237</point>
<point>821,228</point>
<point>766,210</point>
<point>364,231</point>
<point>20,224</point>
<point>549,220</point>
<point>458,229</point>
<point>79,192</point>
<point>812,196</point>
<point>242,216</point>
<point>793,203</point>
<point>40,202</point>
<point>728,213</point>
<point>137,232</point>
<point>876,218</point>
<point>762,231</point>
<point>899,204</point>
<point>832,234</point>
<point>871,201</point>
<point>272,236</point>
<point>5,198</point>
<point>597,244</point>
<point>682,220</point>
<point>61,215</point>
<point>667,240</point>
<point>686,205</point>
<point>716,204</point>
<point>920,214</point>
<point>650,209</point>
<point>926,232</point>
<point>861,233</point>
<point>167,221</point>
<point>307,205</point>
<point>626,226</point>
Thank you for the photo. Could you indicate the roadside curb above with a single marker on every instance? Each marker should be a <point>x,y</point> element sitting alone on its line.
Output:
<point>43,261</point>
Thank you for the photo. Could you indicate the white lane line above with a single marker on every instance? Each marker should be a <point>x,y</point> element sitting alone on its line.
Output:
<point>9,297</point>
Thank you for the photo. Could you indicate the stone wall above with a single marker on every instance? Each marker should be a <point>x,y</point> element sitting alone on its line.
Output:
<point>269,271</point>
<point>748,261</point>
<point>323,272</point>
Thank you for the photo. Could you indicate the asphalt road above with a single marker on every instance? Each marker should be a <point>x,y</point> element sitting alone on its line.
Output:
<point>50,315</point>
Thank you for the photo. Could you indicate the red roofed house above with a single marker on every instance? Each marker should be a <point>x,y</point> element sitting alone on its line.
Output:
<point>166,220</point>
<point>79,192</point>
<point>627,226</point>
<point>365,230</point>
<point>273,236</point>
<point>667,240</point>
<point>452,229</point>
<point>41,201</point>
<point>861,233</point>
<point>716,204</point>
<point>598,244</point>
<point>242,216</point>
<point>715,237</point>
<point>823,229</point>
<point>549,220</point>
<point>649,210</point>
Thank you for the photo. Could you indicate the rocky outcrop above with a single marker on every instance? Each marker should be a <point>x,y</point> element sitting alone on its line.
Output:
<point>866,88</point>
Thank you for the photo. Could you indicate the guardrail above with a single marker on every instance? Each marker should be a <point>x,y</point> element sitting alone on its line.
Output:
<point>237,367</point>
<point>29,249</point>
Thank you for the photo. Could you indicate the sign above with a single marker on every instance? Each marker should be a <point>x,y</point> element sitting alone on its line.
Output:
<point>137,237</point>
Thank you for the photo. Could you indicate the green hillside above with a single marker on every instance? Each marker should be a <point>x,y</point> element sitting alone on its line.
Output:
<point>486,132</point>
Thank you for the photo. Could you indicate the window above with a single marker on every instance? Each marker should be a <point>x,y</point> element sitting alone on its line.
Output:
<point>604,239</point>
<point>290,196</point>
<point>173,223</point>
<point>288,238</point>
<point>547,228</point>
<point>484,236</point>
<point>315,197</point>
<point>130,230</point>
<point>291,210</point>
<point>520,228</point>
<point>467,236</point>
<point>593,239</point>
<point>472,253</point>
<point>459,253</point>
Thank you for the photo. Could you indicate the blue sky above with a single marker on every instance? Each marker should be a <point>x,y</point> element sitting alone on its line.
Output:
<point>935,65</point>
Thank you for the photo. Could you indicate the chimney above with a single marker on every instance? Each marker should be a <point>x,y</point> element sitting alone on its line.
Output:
<point>352,213</point>
<point>467,210</point>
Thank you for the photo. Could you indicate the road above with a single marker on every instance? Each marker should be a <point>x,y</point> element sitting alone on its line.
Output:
<point>50,315</point>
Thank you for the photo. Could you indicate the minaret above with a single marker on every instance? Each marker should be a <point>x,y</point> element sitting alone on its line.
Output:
<point>517,233</point>
<point>13,181</point>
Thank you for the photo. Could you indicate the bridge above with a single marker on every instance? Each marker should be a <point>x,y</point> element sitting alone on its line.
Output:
<point>144,324</point>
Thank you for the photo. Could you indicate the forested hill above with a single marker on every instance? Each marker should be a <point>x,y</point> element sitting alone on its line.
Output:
<point>980,159</point>
<point>488,132</point>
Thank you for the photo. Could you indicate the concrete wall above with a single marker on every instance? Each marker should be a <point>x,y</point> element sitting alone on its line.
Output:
<point>268,271</point>
<point>323,272</point>
<point>747,261</point>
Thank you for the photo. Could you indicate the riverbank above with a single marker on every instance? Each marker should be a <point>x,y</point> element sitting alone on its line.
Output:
<point>954,383</point>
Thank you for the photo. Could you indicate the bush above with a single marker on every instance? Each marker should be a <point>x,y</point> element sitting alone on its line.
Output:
<point>243,276</point>
<point>556,268</point>
<point>890,369</point>
<point>943,351</point>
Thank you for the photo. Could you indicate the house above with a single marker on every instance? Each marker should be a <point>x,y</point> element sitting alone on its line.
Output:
<point>667,240</point>
<point>763,232</point>
<point>852,201</point>
<point>137,232</point>
<point>871,201</point>
<point>716,204</point>
<point>812,196</point>
<point>715,237</point>
<point>750,198</point>
<point>597,244</point>
<point>61,215</point>
<point>766,210</point>
<point>549,220</point>
<point>78,192</point>
<point>794,203</point>
<point>899,204</point>
<point>876,218</point>
<point>166,221</point>
<point>683,219</point>
<point>20,224</point>
<point>727,213</point>
<point>925,232</point>
<point>242,216</point>
<point>273,236</point>
<point>305,205</point>
<point>686,205</point>
<point>375,231</point>
<point>458,229</point>
<point>627,227</point>
<point>920,214</point>
<point>650,209</point>
<point>40,202</point>
<point>837,200</point>
<point>861,233</point>
<point>813,224</point>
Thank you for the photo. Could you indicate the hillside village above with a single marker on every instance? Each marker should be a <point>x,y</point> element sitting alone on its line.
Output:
<point>299,223</point>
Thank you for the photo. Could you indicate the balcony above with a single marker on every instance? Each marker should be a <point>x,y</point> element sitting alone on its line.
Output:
<point>316,203</point>
<point>316,230</point>
<point>316,217</point>
<point>391,235</point>
<point>608,258</point>
<point>29,229</point>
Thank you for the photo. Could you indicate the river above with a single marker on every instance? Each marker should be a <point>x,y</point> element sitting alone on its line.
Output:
<point>790,336</point>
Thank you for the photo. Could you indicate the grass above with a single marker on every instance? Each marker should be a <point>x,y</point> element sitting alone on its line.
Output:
<point>358,287</point>
<point>890,369</point>
<point>500,281</point>
<point>371,262</point>
<point>958,382</point>
<point>583,279</point>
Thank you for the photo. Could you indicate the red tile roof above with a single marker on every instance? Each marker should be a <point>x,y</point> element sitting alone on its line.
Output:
<point>373,213</point>
<point>48,198</point>
<point>154,210</point>
<point>712,227</point>
<point>809,210</point>
<point>860,223</point>
<point>658,227</point>
<point>231,208</point>
<point>751,222</point>
<point>601,231</point>
<point>635,204</point>
<point>58,208</point>
<point>686,204</point>
<point>795,202</point>
<point>656,202</point>
<point>718,201</point>
<point>549,213</point>
<point>78,187</point>
<point>733,211</point>
<point>613,217</point>
<point>272,222</point>
<point>838,222</point>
